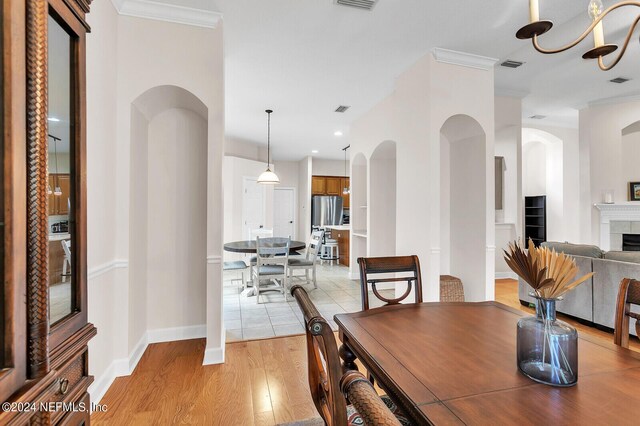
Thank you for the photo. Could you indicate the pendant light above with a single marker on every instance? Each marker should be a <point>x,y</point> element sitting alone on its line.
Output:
<point>56,191</point>
<point>347,189</point>
<point>268,177</point>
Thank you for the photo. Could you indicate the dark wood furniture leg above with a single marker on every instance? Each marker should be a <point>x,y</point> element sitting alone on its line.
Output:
<point>347,355</point>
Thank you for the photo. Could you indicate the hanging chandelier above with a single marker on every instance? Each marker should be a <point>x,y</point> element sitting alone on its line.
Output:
<point>268,177</point>
<point>347,188</point>
<point>537,27</point>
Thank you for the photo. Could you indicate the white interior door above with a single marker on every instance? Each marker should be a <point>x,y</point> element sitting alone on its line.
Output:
<point>253,208</point>
<point>284,223</point>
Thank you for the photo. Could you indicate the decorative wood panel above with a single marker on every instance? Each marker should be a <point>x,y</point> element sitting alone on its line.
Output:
<point>37,198</point>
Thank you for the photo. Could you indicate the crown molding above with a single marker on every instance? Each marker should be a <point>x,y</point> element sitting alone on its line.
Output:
<point>166,12</point>
<point>463,59</point>
<point>610,101</point>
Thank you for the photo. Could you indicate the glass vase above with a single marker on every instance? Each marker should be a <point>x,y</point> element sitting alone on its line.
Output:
<point>547,347</point>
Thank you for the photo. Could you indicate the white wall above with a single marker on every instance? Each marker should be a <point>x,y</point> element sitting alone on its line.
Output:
<point>177,193</point>
<point>127,56</point>
<point>244,149</point>
<point>508,144</point>
<point>304,196</point>
<point>382,200</point>
<point>534,168</point>
<point>328,167</point>
<point>603,159</point>
<point>425,96</point>
<point>631,155</point>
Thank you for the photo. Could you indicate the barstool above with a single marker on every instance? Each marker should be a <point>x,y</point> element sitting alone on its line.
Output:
<point>330,251</point>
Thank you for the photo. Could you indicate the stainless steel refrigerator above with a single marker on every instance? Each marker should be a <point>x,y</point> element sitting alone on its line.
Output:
<point>326,210</point>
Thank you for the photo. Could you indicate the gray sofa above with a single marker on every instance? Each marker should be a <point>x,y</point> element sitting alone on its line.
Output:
<point>593,301</point>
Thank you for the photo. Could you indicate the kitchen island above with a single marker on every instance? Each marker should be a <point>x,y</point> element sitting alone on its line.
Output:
<point>341,233</point>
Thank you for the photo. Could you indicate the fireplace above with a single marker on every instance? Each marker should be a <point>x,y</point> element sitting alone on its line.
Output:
<point>630,242</point>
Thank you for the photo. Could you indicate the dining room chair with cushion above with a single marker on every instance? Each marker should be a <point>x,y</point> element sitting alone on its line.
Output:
<point>628,295</point>
<point>309,261</point>
<point>66,261</point>
<point>271,264</point>
<point>326,380</point>
<point>384,270</point>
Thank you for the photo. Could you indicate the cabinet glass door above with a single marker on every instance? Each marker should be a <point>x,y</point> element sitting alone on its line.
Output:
<point>62,285</point>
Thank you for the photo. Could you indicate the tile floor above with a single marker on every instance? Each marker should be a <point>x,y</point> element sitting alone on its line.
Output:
<point>244,319</point>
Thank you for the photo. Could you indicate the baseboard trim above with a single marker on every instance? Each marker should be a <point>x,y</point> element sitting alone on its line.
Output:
<point>101,385</point>
<point>173,334</point>
<point>505,275</point>
<point>213,356</point>
<point>125,366</point>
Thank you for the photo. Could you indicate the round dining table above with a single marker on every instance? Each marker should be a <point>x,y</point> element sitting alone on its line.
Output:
<point>250,246</point>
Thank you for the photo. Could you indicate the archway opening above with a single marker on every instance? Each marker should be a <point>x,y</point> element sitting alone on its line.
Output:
<point>543,174</point>
<point>359,209</point>
<point>630,150</point>
<point>168,211</point>
<point>463,205</point>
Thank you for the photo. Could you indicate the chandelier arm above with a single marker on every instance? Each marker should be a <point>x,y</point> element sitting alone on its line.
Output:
<point>632,29</point>
<point>587,31</point>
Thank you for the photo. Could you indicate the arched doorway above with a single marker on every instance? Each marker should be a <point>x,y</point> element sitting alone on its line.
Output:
<point>463,205</point>
<point>543,174</point>
<point>168,212</point>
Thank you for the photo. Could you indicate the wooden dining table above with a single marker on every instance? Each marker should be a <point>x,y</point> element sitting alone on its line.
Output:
<point>455,363</point>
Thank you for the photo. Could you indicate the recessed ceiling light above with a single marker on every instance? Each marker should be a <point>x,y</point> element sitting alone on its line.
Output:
<point>315,151</point>
<point>337,133</point>
<point>55,120</point>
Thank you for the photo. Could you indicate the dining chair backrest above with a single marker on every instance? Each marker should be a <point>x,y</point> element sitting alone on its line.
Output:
<point>314,245</point>
<point>395,269</point>
<point>324,368</point>
<point>66,247</point>
<point>364,398</point>
<point>272,251</point>
<point>628,294</point>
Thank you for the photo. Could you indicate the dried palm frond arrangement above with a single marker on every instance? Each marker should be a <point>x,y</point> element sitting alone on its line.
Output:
<point>549,273</point>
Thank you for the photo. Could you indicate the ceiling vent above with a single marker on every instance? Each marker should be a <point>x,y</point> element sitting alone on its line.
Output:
<point>360,4</point>
<point>511,64</point>
<point>619,80</point>
<point>342,108</point>
<point>538,117</point>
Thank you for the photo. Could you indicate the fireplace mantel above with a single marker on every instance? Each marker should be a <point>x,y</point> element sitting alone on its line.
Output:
<point>615,212</point>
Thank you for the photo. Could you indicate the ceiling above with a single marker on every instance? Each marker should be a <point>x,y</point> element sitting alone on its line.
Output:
<point>303,58</point>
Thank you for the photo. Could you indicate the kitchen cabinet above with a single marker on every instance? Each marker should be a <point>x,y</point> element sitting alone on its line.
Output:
<point>59,204</point>
<point>318,185</point>
<point>342,236</point>
<point>346,198</point>
<point>333,185</point>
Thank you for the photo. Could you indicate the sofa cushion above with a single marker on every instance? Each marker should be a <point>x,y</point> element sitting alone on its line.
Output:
<point>623,256</point>
<point>575,249</point>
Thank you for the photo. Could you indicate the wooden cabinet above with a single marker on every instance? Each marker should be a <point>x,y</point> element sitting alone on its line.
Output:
<point>333,185</point>
<point>59,204</point>
<point>43,360</point>
<point>346,198</point>
<point>343,245</point>
<point>318,185</point>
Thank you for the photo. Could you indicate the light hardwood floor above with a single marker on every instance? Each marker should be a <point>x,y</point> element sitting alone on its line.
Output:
<point>263,382</point>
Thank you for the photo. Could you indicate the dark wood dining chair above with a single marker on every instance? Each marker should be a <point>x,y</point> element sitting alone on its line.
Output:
<point>372,267</point>
<point>326,380</point>
<point>628,294</point>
